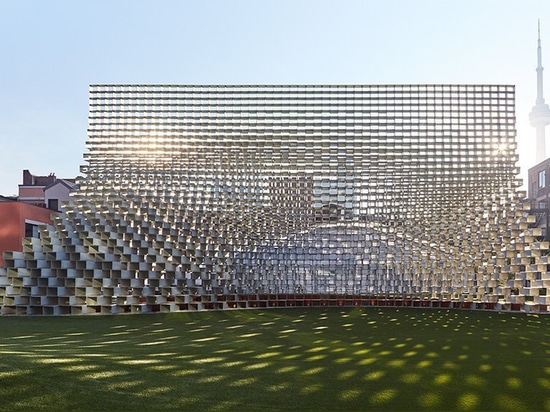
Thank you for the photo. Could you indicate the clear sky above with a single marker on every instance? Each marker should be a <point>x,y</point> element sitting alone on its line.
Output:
<point>51,50</point>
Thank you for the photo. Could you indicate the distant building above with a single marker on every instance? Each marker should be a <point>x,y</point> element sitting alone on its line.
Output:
<point>538,189</point>
<point>540,115</point>
<point>19,220</point>
<point>8,198</point>
<point>45,191</point>
<point>21,216</point>
<point>32,189</point>
<point>539,193</point>
<point>58,192</point>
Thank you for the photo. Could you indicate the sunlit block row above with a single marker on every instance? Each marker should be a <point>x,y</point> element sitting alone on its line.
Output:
<point>197,195</point>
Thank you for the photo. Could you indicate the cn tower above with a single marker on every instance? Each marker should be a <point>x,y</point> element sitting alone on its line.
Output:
<point>540,115</point>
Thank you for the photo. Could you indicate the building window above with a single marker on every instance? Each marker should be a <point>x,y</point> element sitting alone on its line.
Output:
<point>53,204</point>
<point>31,230</point>
<point>542,205</point>
<point>542,178</point>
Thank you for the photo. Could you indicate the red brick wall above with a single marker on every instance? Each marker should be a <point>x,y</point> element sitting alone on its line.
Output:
<point>12,224</point>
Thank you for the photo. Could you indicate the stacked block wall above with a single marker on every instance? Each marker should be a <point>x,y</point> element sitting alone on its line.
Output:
<point>215,197</point>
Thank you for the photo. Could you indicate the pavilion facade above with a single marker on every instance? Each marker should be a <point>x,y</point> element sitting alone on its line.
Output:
<point>214,197</point>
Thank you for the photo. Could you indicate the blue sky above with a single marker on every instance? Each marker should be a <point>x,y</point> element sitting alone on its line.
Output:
<point>53,49</point>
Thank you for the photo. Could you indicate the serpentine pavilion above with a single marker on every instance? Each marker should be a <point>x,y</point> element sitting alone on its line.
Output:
<point>199,197</point>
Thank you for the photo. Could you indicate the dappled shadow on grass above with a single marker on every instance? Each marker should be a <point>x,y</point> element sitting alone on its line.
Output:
<point>315,358</point>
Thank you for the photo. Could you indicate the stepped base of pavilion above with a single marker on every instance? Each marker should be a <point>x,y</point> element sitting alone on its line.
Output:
<point>161,304</point>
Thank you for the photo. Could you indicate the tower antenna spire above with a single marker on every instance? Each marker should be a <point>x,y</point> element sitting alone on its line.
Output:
<point>540,96</point>
<point>540,115</point>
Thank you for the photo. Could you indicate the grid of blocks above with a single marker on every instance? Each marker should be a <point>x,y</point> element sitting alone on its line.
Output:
<point>217,197</point>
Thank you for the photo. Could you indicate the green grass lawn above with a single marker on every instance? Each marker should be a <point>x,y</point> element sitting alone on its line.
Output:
<point>277,359</point>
